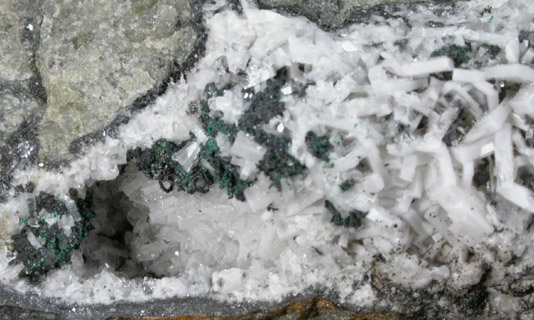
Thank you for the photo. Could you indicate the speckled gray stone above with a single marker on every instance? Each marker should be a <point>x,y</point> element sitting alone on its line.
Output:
<point>22,97</point>
<point>333,14</point>
<point>15,63</point>
<point>19,101</point>
<point>97,57</point>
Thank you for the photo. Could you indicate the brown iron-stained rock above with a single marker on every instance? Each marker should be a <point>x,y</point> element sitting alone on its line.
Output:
<point>316,309</point>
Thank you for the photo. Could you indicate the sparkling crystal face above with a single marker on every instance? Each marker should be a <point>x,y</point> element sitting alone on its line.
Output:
<point>390,154</point>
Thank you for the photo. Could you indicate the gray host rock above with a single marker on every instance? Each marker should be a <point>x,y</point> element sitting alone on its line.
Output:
<point>97,57</point>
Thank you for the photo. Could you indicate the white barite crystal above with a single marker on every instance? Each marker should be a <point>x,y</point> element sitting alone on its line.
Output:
<point>34,241</point>
<point>462,91</point>
<point>464,75</point>
<point>286,90</point>
<point>513,72</point>
<point>230,104</point>
<point>66,223</point>
<point>468,152</point>
<point>187,156</point>
<point>247,154</point>
<point>492,96</point>
<point>489,124</point>
<point>420,68</point>
<point>528,57</point>
<point>523,101</point>
<point>260,195</point>
<point>245,147</point>
<point>417,192</point>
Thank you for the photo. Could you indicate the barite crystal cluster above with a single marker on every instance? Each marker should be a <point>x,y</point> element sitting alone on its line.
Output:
<point>389,164</point>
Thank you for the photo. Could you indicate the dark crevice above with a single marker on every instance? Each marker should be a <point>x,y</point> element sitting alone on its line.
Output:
<point>483,173</point>
<point>462,123</point>
<point>525,177</point>
<point>236,6</point>
<point>31,40</point>
<point>108,245</point>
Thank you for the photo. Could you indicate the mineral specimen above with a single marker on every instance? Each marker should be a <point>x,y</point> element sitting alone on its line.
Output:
<point>51,232</point>
<point>382,157</point>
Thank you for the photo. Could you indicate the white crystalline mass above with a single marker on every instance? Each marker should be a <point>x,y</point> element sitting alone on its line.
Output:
<point>186,157</point>
<point>246,154</point>
<point>418,193</point>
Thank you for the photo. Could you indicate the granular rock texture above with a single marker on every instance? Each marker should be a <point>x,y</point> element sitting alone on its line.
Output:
<point>110,53</point>
<point>333,14</point>
<point>313,309</point>
<point>22,97</point>
<point>15,20</point>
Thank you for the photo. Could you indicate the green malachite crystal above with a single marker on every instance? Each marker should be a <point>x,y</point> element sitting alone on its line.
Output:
<point>56,247</point>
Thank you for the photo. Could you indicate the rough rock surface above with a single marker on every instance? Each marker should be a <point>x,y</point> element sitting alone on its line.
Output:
<point>111,52</point>
<point>69,69</point>
<point>333,14</point>
<point>15,64</point>
<point>22,98</point>
<point>312,309</point>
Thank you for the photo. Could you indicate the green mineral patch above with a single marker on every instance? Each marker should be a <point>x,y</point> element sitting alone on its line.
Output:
<point>213,126</point>
<point>458,54</point>
<point>265,105</point>
<point>491,50</point>
<point>50,204</point>
<point>353,220</point>
<point>52,246</point>
<point>347,185</point>
<point>157,163</point>
<point>319,146</point>
<point>277,163</point>
<point>210,166</point>
<point>226,175</point>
